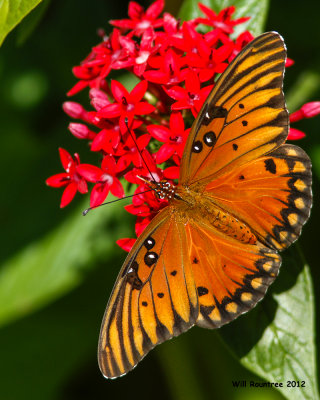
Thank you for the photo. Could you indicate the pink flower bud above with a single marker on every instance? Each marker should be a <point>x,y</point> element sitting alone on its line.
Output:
<point>311,109</point>
<point>74,110</point>
<point>308,110</point>
<point>80,131</point>
<point>99,99</point>
<point>289,62</point>
<point>295,134</point>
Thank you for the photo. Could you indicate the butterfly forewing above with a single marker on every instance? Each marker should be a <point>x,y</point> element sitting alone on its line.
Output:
<point>244,117</point>
<point>154,297</point>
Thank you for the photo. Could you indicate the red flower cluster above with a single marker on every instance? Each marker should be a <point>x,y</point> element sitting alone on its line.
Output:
<point>175,65</point>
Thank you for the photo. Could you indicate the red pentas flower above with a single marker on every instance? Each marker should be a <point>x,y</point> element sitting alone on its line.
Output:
<point>70,179</point>
<point>192,96</point>
<point>139,19</point>
<point>174,137</point>
<point>127,105</point>
<point>104,178</point>
<point>222,20</point>
<point>174,67</point>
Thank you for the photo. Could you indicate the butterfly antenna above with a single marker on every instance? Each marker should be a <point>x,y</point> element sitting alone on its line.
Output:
<point>85,212</point>
<point>140,152</point>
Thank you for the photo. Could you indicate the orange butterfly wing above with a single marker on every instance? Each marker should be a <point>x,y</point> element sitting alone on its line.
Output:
<point>180,272</point>
<point>272,194</point>
<point>154,297</point>
<point>230,276</point>
<point>244,116</point>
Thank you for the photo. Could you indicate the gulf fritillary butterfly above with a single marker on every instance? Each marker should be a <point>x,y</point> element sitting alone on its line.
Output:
<point>243,195</point>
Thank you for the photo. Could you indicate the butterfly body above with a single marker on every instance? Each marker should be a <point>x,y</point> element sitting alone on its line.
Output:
<point>243,196</point>
<point>189,204</point>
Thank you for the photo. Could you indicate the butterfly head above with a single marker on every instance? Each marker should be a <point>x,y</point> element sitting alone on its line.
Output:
<point>163,189</point>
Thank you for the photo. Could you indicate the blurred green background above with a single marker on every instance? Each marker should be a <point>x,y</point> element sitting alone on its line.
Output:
<point>57,268</point>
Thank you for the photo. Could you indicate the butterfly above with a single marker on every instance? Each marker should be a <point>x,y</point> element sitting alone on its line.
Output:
<point>243,195</point>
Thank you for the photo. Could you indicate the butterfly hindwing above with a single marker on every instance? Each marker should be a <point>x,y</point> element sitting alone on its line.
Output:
<point>271,194</point>
<point>244,117</point>
<point>231,276</point>
<point>154,298</point>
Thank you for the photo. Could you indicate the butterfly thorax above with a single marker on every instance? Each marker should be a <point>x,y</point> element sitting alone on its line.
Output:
<point>195,205</point>
<point>164,189</point>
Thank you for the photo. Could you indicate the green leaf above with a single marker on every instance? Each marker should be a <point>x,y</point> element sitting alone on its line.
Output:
<point>256,9</point>
<point>276,340</point>
<point>31,22</point>
<point>54,265</point>
<point>12,12</point>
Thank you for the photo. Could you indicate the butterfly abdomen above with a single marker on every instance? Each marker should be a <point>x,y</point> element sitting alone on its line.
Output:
<point>228,224</point>
<point>202,207</point>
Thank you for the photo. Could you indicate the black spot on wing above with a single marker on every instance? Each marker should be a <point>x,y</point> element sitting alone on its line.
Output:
<point>132,276</point>
<point>197,147</point>
<point>211,111</point>
<point>270,166</point>
<point>209,138</point>
<point>150,258</point>
<point>149,243</point>
<point>202,291</point>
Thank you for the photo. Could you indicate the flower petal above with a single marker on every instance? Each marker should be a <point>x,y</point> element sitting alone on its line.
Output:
<point>116,188</point>
<point>126,244</point>
<point>110,111</point>
<point>58,180</point>
<point>68,194</point>
<point>66,159</point>
<point>118,91</point>
<point>164,153</point>
<point>155,9</point>
<point>98,194</point>
<point>89,172</point>
<point>171,172</point>
<point>159,132</point>
<point>108,165</point>
<point>139,90</point>
<point>176,123</point>
<point>143,108</point>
